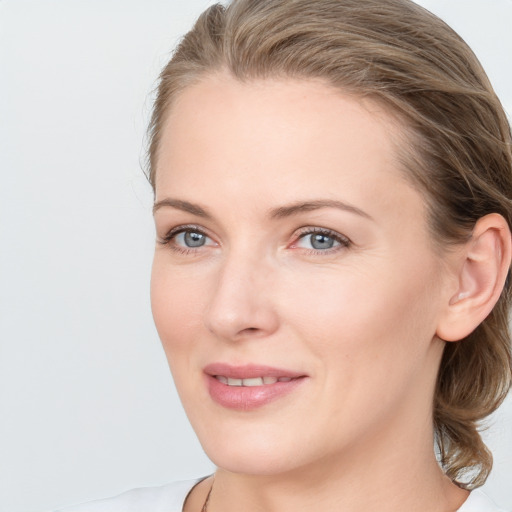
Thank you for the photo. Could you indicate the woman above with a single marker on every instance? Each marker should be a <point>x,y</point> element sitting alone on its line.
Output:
<point>332,205</point>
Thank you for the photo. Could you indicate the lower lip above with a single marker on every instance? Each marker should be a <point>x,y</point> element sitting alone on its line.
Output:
<point>248,398</point>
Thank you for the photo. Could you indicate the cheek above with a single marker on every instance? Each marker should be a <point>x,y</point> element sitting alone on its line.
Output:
<point>176,306</point>
<point>346,314</point>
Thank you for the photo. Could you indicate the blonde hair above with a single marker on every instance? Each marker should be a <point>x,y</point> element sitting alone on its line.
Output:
<point>458,149</point>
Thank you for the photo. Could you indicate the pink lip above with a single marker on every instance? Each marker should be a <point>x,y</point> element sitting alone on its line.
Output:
<point>245,398</point>
<point>249,371</point>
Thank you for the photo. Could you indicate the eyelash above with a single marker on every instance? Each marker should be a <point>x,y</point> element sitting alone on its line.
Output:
<point>343,241</point>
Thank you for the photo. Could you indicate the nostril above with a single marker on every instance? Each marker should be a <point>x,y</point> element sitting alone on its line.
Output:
<point>250,332</point>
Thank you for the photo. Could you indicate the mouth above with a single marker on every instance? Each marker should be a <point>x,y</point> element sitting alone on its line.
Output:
<point>249,387</point>
<point>252,382</point>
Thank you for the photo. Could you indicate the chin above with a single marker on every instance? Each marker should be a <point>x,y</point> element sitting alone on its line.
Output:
<point>249,461</point>
<point>248,449</point>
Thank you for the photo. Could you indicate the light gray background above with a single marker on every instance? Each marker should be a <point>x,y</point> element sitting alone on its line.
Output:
<point>87,406</point>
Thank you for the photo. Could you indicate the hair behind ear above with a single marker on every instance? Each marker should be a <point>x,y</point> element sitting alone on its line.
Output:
<point>473,381</point>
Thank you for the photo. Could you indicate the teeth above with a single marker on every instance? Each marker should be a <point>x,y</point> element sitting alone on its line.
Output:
<point>256,381</point>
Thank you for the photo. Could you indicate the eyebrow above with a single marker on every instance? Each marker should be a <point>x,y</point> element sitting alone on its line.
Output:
<point>299,207</point>
<point>185,206</point>
<point>274,213</point>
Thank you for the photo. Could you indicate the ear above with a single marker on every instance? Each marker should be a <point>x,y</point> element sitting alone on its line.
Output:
<point>481,273</point>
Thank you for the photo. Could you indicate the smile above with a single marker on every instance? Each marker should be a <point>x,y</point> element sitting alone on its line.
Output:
<point>249,387</point>
<point>257,381</point>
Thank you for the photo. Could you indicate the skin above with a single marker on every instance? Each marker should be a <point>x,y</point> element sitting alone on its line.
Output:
<point>360,319</point>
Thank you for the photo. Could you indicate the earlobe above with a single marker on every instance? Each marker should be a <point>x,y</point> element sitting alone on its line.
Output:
<point>483,269</point>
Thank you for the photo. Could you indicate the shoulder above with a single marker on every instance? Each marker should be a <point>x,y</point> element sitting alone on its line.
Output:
<point>479,502</point>
<point>166,498</point>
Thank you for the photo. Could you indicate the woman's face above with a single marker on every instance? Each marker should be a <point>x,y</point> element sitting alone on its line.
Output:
<point>295,287</point>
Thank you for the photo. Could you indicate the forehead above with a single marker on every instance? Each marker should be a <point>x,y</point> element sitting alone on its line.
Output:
<point>295,110</point>
<point>278,138</point>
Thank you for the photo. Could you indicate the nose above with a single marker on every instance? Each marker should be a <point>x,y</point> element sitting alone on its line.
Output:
<point>241,303</point>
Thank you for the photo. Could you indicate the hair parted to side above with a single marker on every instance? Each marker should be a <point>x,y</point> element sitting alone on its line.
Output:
<point>458,149</point>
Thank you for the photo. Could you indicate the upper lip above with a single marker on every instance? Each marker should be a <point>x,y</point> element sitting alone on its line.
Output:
<point>249,371</point>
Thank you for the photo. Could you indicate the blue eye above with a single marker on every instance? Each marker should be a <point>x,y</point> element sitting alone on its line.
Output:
<point>317,241</point>
<point>321,240</point>
<point>185,238</point>
<point>191,239</point>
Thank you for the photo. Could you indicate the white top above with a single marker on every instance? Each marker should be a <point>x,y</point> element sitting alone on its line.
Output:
<point>171,497</point>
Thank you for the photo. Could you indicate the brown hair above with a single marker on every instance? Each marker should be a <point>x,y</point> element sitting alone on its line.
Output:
<point>458,149</point>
